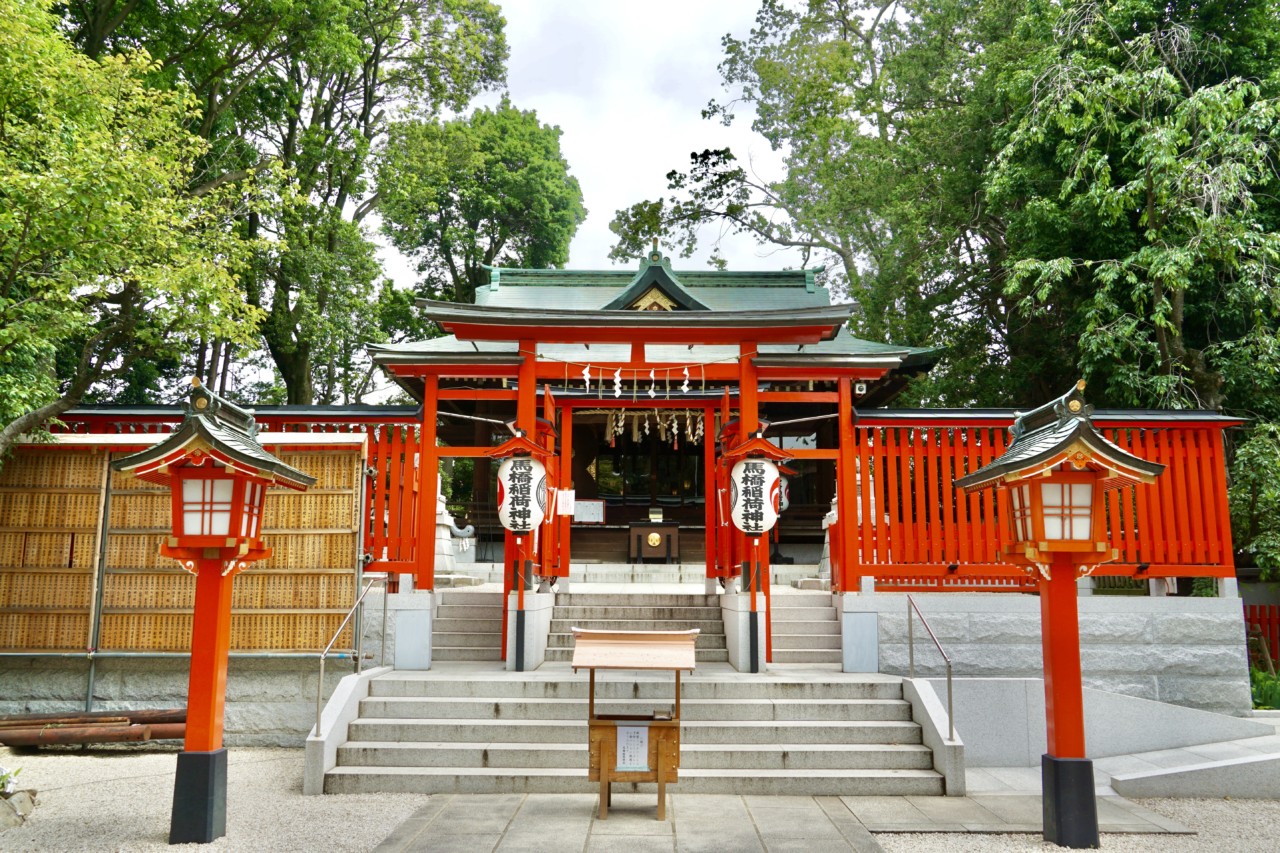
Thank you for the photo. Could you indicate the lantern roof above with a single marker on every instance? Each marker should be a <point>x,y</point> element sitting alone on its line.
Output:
<point>1057,432</point>
<point>224,431</point>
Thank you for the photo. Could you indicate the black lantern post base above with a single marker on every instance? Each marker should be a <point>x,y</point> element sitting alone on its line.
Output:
<point>199,798</point>
<point>1070,804</point>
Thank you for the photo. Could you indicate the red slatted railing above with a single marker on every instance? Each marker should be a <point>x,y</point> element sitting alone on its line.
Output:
<point>1265,618</point>
<point>913,521</point>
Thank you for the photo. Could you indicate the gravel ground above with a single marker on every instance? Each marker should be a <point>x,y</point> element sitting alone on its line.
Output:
<point>120,799</point>
<point>1222,826</point>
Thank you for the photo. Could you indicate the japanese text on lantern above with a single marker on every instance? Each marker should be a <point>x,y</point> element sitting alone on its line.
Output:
<point>753,476</point>
<point>520,494</point>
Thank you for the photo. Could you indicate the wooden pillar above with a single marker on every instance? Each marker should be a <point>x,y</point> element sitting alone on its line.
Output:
<point>564,522</point>
<point>210,644</point>
<point>710,489</point>
<point>1060,637</point>
<point>549,537</point>
<point>428,471</point>
<point>1069,804</point>
<point>847,491</point>
<point>527,420</point>
<point>199,812</point>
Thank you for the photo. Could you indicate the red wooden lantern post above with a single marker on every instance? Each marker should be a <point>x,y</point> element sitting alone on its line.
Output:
<point>218,476</point>
<point>1055,471</point>
<point>755,489</point>
<point>522,510</point>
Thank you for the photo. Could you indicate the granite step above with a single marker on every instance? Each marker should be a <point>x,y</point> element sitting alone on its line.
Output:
<point>692,710</point>
<point>481,780</point>
<point>692,756</point>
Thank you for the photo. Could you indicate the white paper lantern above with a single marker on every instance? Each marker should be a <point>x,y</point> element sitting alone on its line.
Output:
<point>755,490</point>
<point>522,493</point>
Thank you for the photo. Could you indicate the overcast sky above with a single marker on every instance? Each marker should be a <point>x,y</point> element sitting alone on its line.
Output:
<point>626,81</point>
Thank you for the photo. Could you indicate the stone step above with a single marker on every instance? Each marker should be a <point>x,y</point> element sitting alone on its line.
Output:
<point>449,624</point>
<point>782,626</point>
<point>692,710</point>
<point>656,687</point>
<point>806,614</point>
<point>705,640</point>
<point>807,656</point>
<point>706,626</point>
<point>481,780</point>
<point>701,654</point>
<point>789,756</point>
<point>470,653</point>
<point>638,612</point>
<point>458,639</point>
<point>787,600</point>
<point>692,731</point>
<point>469,612</point>
<point>465,596</point>
<point>805,641</point>
<point>636,599</point>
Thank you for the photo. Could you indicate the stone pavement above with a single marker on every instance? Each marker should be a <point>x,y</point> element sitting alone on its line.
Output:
<point>556,823</point>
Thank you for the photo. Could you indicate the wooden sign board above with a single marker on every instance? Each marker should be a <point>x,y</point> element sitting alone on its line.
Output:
<point>670,650</point>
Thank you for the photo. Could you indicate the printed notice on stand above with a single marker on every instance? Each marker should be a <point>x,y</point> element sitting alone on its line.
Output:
<point>633,749</point>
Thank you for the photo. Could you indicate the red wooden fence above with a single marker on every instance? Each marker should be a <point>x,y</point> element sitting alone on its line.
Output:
<point>911,520</point>
<point>391,498</point>
<point>1266,619</point>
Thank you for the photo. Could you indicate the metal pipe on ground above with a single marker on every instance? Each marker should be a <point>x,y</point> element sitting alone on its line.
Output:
<point>47,735</point>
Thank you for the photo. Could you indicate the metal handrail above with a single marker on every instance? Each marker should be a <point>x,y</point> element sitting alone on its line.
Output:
<point>382,653</point>
<point>911,657</point>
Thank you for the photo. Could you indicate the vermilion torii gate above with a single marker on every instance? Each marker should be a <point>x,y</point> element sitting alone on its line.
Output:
<point>740,380</point>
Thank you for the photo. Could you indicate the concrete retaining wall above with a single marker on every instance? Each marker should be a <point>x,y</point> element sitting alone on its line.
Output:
<point>1114,724</point>
<point>1185,651</point>
<point>270,701</point>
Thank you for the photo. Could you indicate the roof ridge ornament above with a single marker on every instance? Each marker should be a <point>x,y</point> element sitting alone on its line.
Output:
<point>1070,405</point>
<point>203,402</point>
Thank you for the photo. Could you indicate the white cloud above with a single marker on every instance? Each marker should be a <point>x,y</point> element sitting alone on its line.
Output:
<point>626,82</point>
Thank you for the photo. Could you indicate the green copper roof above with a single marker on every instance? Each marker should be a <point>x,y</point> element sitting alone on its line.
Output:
<point>714,290</point>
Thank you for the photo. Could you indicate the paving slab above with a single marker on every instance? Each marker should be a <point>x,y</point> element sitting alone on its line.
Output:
<point>631,844</point>
<point>962,810</point>
<point>552,823</point>
<point>895,810</point>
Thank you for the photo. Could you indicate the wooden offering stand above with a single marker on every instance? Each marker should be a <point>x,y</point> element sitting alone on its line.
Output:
<point>633,747</point>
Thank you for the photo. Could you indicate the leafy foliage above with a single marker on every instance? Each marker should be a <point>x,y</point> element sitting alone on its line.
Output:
<point>308,88</point>
<point>1047,189</point>
<point>1266,690</point>
<point>108,262</point>
<point>469,193</point>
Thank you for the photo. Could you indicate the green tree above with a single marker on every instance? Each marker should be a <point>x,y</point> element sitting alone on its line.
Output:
<point>308,88</point>
<point>469,193</point>
<point>1136,177</point>
<point>887,113</point>
<point>106,261</point>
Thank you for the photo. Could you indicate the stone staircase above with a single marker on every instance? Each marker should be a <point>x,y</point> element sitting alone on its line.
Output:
<point>638,612</point>
<point>468,626</point>
<point>806,628</point>
<point>476,732</point>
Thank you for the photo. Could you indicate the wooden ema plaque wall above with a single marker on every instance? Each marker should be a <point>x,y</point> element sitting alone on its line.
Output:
<point>54,580</point>
<point>50,515</point>
<point>616,742</point>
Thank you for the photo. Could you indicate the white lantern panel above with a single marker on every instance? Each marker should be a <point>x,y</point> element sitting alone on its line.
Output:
<point>755,494</point>
<point>1068,510</point>
<point>522,493</point>
<point>251,517</point>
<point>1021,496</point>
<point>206,507</point>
